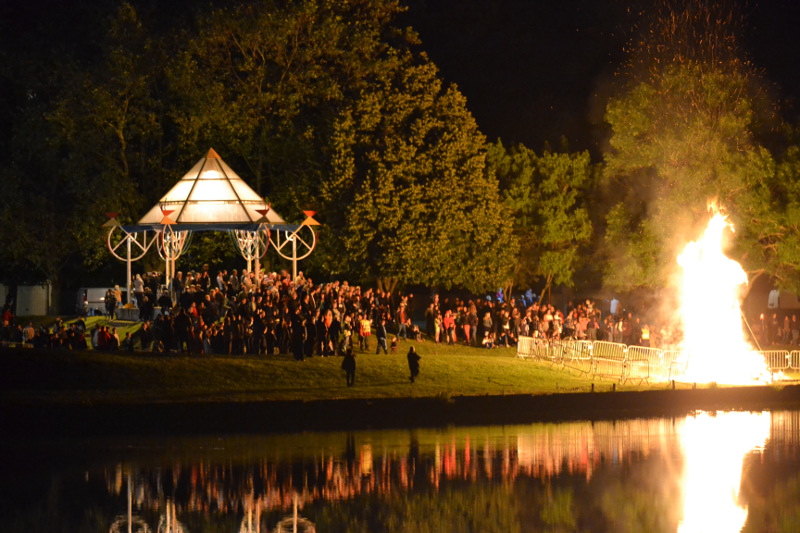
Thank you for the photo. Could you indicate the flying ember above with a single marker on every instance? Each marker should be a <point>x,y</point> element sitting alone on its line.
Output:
<point>715,342</point>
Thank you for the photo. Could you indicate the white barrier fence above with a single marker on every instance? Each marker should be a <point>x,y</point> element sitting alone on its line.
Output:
<point>628,363</point>
<point>10,344</point>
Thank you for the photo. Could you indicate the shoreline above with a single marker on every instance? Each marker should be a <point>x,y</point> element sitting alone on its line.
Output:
<point>48,420</point>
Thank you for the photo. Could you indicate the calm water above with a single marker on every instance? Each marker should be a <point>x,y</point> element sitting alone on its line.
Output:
<point>713,472</point>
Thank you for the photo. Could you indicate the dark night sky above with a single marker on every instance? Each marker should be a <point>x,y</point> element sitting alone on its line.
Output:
<point>528,69</point>
<point>533,71</point>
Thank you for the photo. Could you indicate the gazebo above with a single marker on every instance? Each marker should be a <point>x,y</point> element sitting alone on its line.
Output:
<point>210,197</point>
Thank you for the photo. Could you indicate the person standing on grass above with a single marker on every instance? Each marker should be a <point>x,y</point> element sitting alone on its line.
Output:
<point>413,363</point>
<point>449,327</point>
<point>114,340</point>
<point>28,333</point>
<point>364,332</point>
<point>349,366</point>
<point>127,344</point>
<point>111,304</point>
<point>402,321</point>
<point>299,336</point>
<point>380,334</point>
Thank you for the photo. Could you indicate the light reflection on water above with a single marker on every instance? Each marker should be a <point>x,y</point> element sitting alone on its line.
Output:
<point>714,448</point>
<point>710,472</point>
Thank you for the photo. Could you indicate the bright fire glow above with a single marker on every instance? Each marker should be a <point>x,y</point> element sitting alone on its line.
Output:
<point>715,446</point>
<point>715,342</point>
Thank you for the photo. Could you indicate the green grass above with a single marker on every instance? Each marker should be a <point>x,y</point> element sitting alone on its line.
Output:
<point>65,377</point>
<point>28,376</point>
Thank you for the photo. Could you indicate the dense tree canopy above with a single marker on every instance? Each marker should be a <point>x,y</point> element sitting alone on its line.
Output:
<point>322,104</point>
<point>679,142</point>
<point>408,189</point>
<point>265,81</point>
<point>87,139</point>
<point>332,106</point>
<point>548,196</point>
<point>689,129</point>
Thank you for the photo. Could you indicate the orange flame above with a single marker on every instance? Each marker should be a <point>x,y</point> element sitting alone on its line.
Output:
<point>715,342</point>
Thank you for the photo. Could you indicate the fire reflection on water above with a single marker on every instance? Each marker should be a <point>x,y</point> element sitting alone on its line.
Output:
<point>714,448</point>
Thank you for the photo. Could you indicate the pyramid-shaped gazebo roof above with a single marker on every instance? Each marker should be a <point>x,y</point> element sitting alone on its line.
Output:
<point>211,195</point>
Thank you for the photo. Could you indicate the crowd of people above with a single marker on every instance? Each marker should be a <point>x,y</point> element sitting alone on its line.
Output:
<point>487,324</point>
<point>772,329</point>
<point>240,313</point>
<point>233,313</point>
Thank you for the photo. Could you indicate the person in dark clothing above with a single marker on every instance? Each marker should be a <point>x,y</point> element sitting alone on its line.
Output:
<point>323,332</point>
<point>127,343</point>
<point>284,334</point>
<point>380,334</point>
<point>111,304</point>
<point>257,338</point>
<point>311,336</point>
<point>299,337</point>
<point>270,336</point>
<point>413,363</point>
<point>145,335</point>
<point>182,325</point>
<point>146,306</point>
<point>334,332</point>
<point>164,302</point>
<point>349,366</point>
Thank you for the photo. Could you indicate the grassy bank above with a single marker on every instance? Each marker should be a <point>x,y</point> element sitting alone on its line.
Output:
<point>67,377</point>
<point>47,393</point>
<point>29,377</point>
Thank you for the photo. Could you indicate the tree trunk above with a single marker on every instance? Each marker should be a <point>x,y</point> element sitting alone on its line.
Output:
<point>548,290</point>
<point>387,284</point>
<point>55,301</point>
<point>508,288</point>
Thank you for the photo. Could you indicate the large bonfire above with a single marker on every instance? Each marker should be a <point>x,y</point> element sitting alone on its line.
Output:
<point>715,342</point>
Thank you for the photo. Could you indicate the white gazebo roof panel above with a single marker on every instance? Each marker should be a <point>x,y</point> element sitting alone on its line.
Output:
<point>211,193</point>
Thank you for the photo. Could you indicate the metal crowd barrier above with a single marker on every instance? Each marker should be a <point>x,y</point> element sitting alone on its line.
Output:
<point>794,360</point>
<point>579,357</point>
<point>609,359</point>
<point>629,363</point>
<point>777,360</point>
<point>12,344</point>
<point>526,347</point>
<point>675,364</point>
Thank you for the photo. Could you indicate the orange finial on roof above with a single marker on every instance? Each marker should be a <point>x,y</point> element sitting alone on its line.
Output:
<point>212,154</point>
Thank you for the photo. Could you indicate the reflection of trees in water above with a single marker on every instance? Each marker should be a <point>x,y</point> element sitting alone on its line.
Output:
<point>458,467</point>
<point>360,469</point>
<point>602,476</point>
<point>456,508</point>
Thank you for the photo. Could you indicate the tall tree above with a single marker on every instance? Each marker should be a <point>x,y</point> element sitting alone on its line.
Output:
<point>263,81</point>
<point>408,192</point>
<point>685,131</point>
<point>329,107</point>
<point>323,102</point>
<point>85,140</point>
<point>112,116</point>
<point>767,230</point>
<point>547,195</point>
